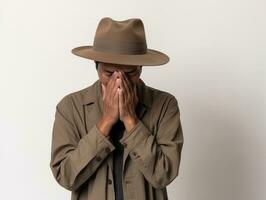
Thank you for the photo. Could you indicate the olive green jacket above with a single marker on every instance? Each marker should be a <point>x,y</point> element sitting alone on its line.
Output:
<point>81,157</point>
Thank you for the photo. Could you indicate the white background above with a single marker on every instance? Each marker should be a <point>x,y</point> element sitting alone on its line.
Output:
<point>216,71</point>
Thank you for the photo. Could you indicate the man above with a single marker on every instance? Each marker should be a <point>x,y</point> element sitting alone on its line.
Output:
<point>118,138</point>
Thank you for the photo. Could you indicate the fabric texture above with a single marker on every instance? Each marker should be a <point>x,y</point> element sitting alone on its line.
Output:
<point>83,159</point>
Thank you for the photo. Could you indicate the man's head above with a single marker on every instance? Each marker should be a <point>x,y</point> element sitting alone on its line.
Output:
<point>105,71</point>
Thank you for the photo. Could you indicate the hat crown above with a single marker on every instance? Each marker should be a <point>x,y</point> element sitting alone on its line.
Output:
<point>120,37</point>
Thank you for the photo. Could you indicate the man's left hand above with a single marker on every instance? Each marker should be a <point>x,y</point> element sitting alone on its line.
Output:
<point>128,100</point>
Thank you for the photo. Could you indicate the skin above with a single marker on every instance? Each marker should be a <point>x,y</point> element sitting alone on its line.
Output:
<point>119,95</point>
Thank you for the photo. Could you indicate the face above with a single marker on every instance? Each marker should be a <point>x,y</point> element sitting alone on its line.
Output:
<point>105,71</point>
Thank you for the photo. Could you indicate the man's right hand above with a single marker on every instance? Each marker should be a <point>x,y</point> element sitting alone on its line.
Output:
<point>110,104</point>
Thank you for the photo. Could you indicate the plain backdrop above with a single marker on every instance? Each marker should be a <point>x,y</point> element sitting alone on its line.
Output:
<point>217,71</point>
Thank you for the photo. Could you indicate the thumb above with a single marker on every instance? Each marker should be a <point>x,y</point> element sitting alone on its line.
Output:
<point>120,99</point>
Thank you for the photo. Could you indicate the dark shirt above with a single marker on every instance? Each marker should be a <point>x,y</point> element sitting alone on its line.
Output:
<point>116,134</point>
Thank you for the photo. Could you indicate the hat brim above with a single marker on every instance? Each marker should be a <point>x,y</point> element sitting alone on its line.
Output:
<point>150,58</point>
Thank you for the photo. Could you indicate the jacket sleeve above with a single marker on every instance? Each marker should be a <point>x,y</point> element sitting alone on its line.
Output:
<point>158,155</point>
<point>75,159</point>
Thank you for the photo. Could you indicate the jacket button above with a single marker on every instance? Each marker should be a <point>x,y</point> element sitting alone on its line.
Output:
<point>98,158</point>
<point>107,149</point>
<point>134,153</point>
<point>109,181</point>
<point>125,145</point>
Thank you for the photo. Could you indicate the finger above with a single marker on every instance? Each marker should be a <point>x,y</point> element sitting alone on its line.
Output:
<point>120,98</point>
<point>116,86</point>
<point>124,97</point>
<point>128,82</point>
<point>127,91</point>
<point>128,85</point>
<point>110,86</point>
<point>112,81</point>
<point>103,91</point>
<point>116,96</point>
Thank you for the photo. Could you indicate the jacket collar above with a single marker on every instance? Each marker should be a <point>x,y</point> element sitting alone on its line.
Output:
<point>92,93</point>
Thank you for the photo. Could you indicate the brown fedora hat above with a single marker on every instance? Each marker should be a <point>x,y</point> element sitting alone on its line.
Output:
<point>121,42</point>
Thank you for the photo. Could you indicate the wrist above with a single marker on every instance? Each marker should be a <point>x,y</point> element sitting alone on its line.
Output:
<point>108,120</point>
<point>105,125</point>
<point>130,123</point>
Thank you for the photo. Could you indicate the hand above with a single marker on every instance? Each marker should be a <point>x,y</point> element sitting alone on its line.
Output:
<point>128,101</point>
<point>110,104</point>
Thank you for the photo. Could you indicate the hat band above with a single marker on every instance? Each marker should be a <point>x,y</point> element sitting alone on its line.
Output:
<point>119,47</point>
